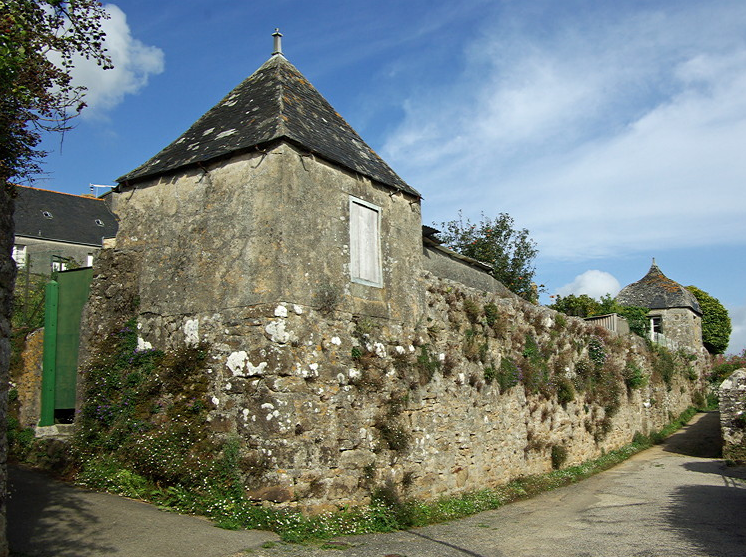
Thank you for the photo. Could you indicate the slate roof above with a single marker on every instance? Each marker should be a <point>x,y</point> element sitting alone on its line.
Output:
<point>73,217</point>
<point>656,291</point>
<point>275,102</point>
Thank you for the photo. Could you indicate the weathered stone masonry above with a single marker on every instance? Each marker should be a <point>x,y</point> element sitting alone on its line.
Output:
<point>328,405</point>
<point>732,395</point>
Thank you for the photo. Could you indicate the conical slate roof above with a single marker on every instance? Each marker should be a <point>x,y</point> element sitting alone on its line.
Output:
<point>656,291</point>
<point>274,102</point>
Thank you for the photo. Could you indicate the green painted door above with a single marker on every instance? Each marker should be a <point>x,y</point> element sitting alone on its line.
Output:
<point>61,339</point>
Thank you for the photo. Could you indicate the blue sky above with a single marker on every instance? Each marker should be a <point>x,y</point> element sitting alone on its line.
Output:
<point>613,131</point>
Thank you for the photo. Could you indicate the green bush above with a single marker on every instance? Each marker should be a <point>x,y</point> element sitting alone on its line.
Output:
<point>634,378</point>
<point>560,321</point>
<point>427,364</point>
<point>490,373</point>
<point>637,317</point>
<point>20,440</point>
<point>559,456</point>
<point>508,375</point>
<point>472,310</point>
<point>491,314</point>
<point>146,411</point>
<point>664,363</point>
<point>565,391</point>
<point>723,366</point>
<point>597,350</point>
<point>716,325</point>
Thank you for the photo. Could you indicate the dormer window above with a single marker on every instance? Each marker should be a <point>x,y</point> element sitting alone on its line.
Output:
<point>99,222</point>
<point>46,214</point>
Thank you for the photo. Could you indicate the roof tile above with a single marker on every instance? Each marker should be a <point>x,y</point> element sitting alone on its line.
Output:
<point>73,217</point>
<point>656,291</point>
<point>275,102</point>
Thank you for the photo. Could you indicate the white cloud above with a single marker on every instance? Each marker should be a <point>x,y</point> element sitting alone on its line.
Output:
<point>594,283</point>
<point>134,62</point>
<point>609,137</point>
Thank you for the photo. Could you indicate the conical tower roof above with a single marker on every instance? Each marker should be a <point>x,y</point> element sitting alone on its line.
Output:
<point>275,102</point>
<point>656,291</point>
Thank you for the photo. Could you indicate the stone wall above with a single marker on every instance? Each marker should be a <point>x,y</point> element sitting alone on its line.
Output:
<point>444,263</point>
<point>439,382</point>
<point>681,326</point>
<point>26,379</point>
<point>733,416</point>
<point>478,388</point>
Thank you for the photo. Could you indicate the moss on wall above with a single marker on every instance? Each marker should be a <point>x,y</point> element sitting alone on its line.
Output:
<point>326,406</point>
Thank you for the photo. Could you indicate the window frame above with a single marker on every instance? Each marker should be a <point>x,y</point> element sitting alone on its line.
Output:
<point>656,324</point>
<point>355,256</point>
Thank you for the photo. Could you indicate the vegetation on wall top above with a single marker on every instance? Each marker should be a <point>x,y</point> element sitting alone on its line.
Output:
<point>724,365</point>
<point>583,305</point>
<point>510,252</point>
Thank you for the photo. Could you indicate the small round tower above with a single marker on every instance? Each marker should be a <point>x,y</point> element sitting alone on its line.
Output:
<point>675,315</point>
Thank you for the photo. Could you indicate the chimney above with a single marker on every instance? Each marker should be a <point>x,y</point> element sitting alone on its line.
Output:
<point>278,41</point>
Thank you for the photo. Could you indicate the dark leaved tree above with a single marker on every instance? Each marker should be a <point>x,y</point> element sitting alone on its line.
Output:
<point>36,95</point>
<point>494,241</point>
<point>716,327</point>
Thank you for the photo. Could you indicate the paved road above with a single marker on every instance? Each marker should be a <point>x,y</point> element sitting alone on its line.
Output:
<point>50,518</point>
<point>676,500</point>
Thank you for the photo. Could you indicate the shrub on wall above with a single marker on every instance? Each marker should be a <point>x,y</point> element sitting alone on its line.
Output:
<point>634,378</point>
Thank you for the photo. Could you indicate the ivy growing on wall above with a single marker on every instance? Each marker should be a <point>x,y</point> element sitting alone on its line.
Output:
<point>145,411</point>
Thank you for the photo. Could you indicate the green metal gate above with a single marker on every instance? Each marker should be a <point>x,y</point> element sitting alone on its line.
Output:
<point>65,299</point>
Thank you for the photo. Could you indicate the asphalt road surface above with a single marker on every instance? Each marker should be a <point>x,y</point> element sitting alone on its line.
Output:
<point>47,518</point>
<point>674,500</point>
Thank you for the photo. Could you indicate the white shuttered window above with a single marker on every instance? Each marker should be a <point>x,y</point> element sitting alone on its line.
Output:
<point>365,243</point>
<point>19,255</point>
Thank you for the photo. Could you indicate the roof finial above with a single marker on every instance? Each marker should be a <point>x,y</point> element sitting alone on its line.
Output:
<point>278,41</point>
<point>654,261</point>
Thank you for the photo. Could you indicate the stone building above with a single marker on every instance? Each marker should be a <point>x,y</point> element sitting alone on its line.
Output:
<point>345,349</point>
<point>286,203</point>
<point>54,229</point>
<point>675,315</point>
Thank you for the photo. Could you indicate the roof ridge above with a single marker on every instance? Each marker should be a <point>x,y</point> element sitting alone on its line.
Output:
<point>82,196</point>
<point>282,128</point>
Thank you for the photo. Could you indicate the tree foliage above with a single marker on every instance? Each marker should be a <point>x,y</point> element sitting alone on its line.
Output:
<point>716,327</point>
<point>583,305</point>
<point>39,40</point>
<point>508,251</point>
<point>723,366</point>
